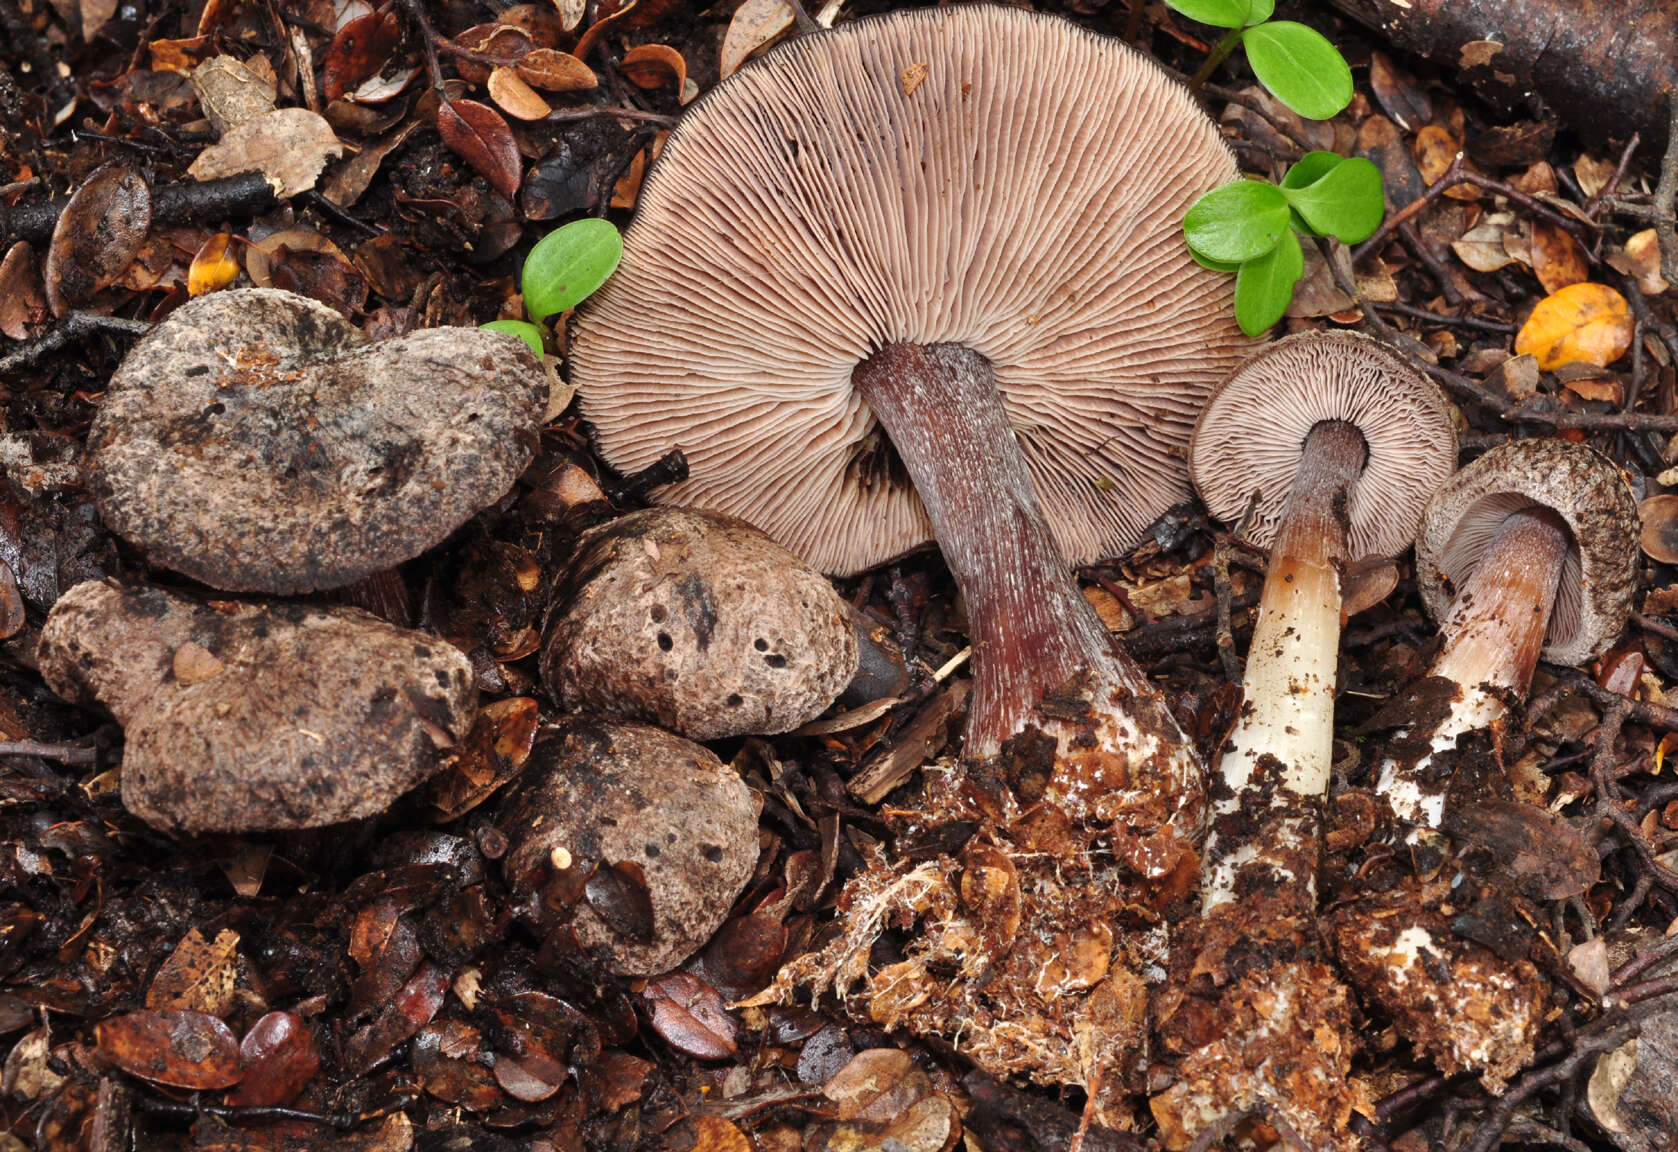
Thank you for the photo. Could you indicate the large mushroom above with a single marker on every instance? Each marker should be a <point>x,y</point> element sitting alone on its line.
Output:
<point>258,442</point>
<point>945,243</point>
<point>1328,444</point>
<point>1529,551</point>
<point>252,717</point>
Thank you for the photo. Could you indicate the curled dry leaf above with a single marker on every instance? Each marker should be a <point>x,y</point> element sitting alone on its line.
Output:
<point>1641,257</point>
<point>1582,322</point>
<point>289,146</point>
<point>571,13</point>
<point>198,976</point>
<point>505,40</point>
<point>22,304</point>
<point>514,97</point>
<point>689,1014</point>
<point>213,266</point>
<point>655,66</point>
<point>190,1050</point>
<point>1483,247</point>
<point>231,92</point>
<point>756,23</point>
<point>1659,539</point>
<point>280,1058</point>
<point>554,71</point>
<point>1557,259</point>
<point>358,51</point>
<point>478,134</point>
<point>275,249</point>
<point>97,236</point>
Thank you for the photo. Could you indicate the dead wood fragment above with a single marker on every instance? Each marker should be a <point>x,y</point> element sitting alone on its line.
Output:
<point>247,194</point>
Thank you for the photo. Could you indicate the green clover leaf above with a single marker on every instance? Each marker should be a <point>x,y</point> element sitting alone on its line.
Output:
<point>1300,67</point>
<point>1344,201</point>
<point>1264,286</point>
<point>1220,13</point>
<point>568,264</point>
<point>1237,222</point>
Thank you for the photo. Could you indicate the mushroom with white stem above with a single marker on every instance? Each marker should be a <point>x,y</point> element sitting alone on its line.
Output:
<point>1529,551</point>
<point>908,227</point>
<point>696,621</point>
<point>1343,442</point>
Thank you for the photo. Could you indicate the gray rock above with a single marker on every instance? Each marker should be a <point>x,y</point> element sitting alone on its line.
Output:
<point>253,717</point>
<point>257,442</point>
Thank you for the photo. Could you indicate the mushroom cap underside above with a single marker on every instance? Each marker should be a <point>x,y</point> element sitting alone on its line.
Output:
<point>1583,487</point>
<point>977,175</point>
<point>1251,437</point>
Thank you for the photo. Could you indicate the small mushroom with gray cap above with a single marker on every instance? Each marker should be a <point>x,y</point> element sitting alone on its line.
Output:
<point>698,622</point>
<point>963,310</point>
<point>1335,443</point>
<point>1530,551</point>
<point>635,840</point>
<point>257,717</point>
<point>257,442</point>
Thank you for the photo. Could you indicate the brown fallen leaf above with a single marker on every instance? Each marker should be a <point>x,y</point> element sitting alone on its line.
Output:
<point>358,51</point>
<point>199,975</point>
<point>280,1058</point>
<point>655,66</point>
<point>1588,322</point>
<point>514,97</point>
<point>554,71</point>
<point>231,92</point>
<point>1557,259</point>
<point>190,1050</point>
<point>22,304</point>
<point>478,134</point>
<point>755,25</point>
<point>689,1014</point>
<point>97,236</point>
<point>1435,149</point>
<point>289,146</point>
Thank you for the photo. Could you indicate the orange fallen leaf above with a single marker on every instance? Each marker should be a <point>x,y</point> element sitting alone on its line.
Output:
<point>213,267</point>
<point>514,97</point>
<point>1581,322</point>
<point>654,66</point>
<point>555,71</point>
<point>1557,259</point>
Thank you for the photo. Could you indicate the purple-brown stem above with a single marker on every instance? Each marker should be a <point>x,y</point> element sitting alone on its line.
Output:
<point>1034,634</point>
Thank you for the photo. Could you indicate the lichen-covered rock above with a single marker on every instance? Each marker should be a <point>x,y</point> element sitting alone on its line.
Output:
<point>251,717</point>
<point>257,442</point>
<point>639,839</point>
<point>699,623</point>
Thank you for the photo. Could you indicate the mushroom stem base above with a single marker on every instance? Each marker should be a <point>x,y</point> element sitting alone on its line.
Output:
<point>1035,637</point>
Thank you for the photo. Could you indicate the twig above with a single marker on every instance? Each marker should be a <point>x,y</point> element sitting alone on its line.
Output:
<point>73,327</point>
<point>1606,1038</point>
<point>1447,321</point>
<point>430,38</point>
<point>1607,191</point>
<point>248,194</point>
<point>566,115</point>
<point>64,753</point>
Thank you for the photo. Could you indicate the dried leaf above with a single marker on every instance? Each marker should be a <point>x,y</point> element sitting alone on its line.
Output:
<point>689,1014</point>
<point>97,236</point>
<point>181,1049</point>
<point>514,97</point>
<point>1659,539</point>
<point>1557,259</point>
<point>351,180</point>
<point>231,92</point>
<point>529,1078</point>
<point>1608,1083</point>
<point>358,51</point>
<point>756,24</point>
<point>280,1058</point>
<point>213,266</point>
<point>554,71</point>
<point>571,13</point>
<point>1641,257</point>
<point>1435,149</point>
<point>714,1134</point>
<point>618,893</point>
<point>199,975</point>
<point>22,304</point>
<point>478,134</point>
<point>1582,322</point>
<point>289,146</point>
<point>655,66</point>
<point>505,40</point>
<point>1398,93</point>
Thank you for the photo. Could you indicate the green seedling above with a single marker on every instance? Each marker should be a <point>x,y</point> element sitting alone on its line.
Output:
<point>568,265</point>
<point>1296,63</point>
<point>1252,228</point>
<point>523,329</point>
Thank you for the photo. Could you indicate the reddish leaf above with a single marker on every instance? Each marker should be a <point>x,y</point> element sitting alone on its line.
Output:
<point>358,51</point>
<point>280,1059</point>
<point>529,1078</point>
<point>689,1014</point>
<point>181,1049</point>
<point>478,134</point>
<point>97,235</point>
<point>619,895</point>
<point>412,1010</point>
